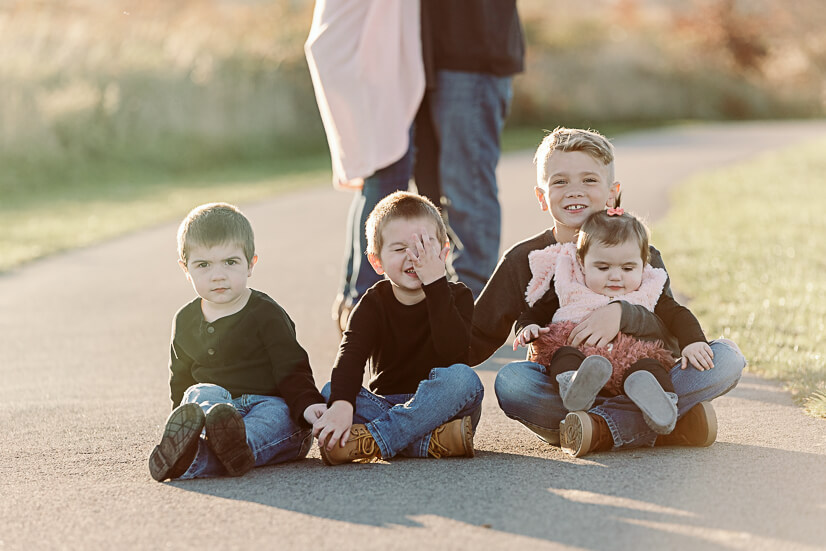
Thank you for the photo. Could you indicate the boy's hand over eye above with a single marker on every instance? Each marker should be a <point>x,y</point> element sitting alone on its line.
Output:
<point>598,328</point>
<point>333,427</point>
<point>427,258</point>
<point>314,412</point>
<point>529,334</point>
<point>699,354</point>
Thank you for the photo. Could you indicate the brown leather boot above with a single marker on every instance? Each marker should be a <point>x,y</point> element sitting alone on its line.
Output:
<point>179,443</point>
<point>582,433</point>
<point>698,427</point>
<point>453,439</point>
<point>226,436</point>
<point>360,447</point>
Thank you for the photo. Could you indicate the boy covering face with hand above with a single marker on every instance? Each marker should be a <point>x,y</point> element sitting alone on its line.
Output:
<point>413,331</point>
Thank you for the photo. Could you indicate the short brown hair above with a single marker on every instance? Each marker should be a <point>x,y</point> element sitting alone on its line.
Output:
<point>215,224</point>
<point>612,230</point>
<point>401,204</point>
<point>572,139</point>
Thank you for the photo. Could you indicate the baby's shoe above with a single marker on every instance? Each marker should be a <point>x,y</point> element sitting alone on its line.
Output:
<point>579,388</point>
<point>659,408</point>
<point>360,447</point>
<point>453,439</point>
<point>179,443</point>
<point>226,436</point>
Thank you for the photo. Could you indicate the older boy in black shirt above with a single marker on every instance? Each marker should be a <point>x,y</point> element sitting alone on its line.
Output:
<point>237,370</point>
<point>413,331</point>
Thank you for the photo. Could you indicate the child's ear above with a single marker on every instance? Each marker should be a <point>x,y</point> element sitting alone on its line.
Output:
<point>540,196</point>
<point>182,264</point>
<point>613,195</point>
<point>252,264</point>
<point>375,263</point>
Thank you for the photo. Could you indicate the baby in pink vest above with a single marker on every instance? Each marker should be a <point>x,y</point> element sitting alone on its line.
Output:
<point>610,260</point>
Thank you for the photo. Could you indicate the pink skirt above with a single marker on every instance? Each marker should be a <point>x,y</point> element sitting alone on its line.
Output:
<point>623,351</point>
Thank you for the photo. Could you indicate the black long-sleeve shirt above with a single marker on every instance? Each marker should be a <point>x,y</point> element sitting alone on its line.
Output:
<point>253,351</point>
<point>402,343</point>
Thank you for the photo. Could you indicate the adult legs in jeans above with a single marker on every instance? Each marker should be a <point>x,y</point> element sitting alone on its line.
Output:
<point>401,424</point>
<point>525,393</point>
<point>358,274</point>
<point>469,111</point>
<point>271,435</point>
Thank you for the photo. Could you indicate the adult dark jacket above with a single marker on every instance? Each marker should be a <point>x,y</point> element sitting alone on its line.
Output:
<point>475,36</point>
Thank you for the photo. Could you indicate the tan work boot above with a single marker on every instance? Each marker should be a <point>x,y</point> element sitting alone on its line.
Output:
<point>582,433</point>
<point>453,439</point>
<point>698,427</point>
<point>360,447</point>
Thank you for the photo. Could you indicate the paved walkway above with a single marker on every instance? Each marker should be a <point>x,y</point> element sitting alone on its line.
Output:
<point>84,382</point>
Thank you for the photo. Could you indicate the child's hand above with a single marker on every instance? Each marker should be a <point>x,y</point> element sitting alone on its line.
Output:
<point>699,354</point>
<point>314,412</point>
<point>428,259</point>
<point>333,427</point>
<point>598,328</point>
<point>529,334</point>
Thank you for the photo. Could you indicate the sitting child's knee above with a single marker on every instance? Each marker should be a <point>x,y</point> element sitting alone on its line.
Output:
<point>206,392</point>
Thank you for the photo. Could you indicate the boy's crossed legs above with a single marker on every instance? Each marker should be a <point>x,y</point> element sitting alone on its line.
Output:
<point>269,435</point>
<point>526,393</point>
<point>403,424</point>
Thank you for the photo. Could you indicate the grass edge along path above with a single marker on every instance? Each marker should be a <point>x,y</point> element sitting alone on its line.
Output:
<point>745,244</point>
<point>56,207</point>
<point>107,202</point>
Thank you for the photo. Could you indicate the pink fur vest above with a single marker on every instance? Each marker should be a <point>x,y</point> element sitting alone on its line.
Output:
<point>558,263</point>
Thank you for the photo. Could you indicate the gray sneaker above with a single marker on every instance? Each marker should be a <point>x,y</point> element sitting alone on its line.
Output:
<point>659,408</point>
<point>579,388</point>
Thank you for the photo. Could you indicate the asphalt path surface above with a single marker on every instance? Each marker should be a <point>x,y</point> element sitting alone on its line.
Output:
<point>83,365</point>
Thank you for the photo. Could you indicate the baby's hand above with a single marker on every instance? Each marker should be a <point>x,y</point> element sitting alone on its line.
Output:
<point>334,426</point>
<point>314,412</point>
<point>529,334</point>
<point>427,258</point>
<point>699,354</point>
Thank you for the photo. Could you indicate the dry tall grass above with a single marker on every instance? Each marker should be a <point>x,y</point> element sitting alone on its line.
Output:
<point>193,82</point>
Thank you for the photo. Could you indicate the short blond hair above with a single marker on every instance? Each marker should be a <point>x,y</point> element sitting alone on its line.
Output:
<point>401,204</point>
<point>573,139</point>
<point>215,224</point>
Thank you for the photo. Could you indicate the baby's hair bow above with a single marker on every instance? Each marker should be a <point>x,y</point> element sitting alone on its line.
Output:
<point>615,212</point>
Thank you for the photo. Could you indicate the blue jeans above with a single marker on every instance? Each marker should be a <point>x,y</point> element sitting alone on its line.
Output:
<point>469,111</point>
<point>401,424</point>
<point>271,435</point>
<point>358,273</point>
<point>526,394</point>
<point>468,114</point>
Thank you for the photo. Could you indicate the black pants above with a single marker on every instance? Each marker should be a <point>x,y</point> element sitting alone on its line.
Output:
<point>568,358</point>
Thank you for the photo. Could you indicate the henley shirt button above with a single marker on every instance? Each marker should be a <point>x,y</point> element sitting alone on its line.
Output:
<point>211,351</point>
<point>210,329</point>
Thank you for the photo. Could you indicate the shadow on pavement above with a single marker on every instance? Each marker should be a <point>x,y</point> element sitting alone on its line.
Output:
<point>661,500</point>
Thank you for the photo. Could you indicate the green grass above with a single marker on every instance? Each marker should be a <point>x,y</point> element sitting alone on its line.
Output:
<point>746,244</point>
<point>50,207</point>
<point>64,207</point>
